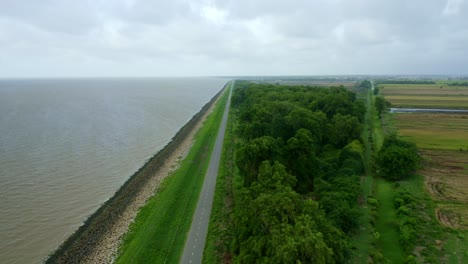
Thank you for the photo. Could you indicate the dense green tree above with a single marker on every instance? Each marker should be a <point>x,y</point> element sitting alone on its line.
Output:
<point>251,155</point>
<point>365,84</point>
<point>343,129</point>
<point>397,159</point>
<point>381,105</point>
<point>376,91</point>
<point>284,228</point>
<point>302,160</point>
<point>298,155</point>
<point>315,122</point>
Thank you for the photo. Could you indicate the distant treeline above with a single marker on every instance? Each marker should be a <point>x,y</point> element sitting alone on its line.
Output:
<point>458,84</point>
<point>405,82</point>
<point>299,156</point>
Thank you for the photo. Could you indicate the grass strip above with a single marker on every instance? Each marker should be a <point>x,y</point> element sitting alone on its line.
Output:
<point>220,226</point>
<point>387,222</point>
<point>159,231</point>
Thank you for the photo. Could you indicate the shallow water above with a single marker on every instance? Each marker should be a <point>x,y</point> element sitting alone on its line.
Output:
<point>66,145</point>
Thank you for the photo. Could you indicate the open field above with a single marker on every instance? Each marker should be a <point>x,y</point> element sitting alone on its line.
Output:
<point>455,102</point>
<point>443,140</point>
<point>434,130</point>
<point>425,95</point>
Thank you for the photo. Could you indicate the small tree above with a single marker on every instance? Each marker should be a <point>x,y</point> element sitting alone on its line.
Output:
<point>381,105</point>
<point>397,159</point>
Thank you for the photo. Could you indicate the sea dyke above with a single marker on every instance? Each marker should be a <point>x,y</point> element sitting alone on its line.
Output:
<point>81,244</point>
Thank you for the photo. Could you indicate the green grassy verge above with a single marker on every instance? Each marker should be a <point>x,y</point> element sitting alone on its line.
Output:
<point>217,241</point>
<point>362,242</point>
<point>456,246</point>
<point>218,229</point>
<point>387,223</point>
<point>386,218</point>
<point>160,228</point>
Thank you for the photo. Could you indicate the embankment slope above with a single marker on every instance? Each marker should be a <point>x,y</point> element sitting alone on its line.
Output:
<point>96,241</point>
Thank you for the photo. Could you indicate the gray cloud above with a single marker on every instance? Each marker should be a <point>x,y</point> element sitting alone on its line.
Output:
<point>234,37</point>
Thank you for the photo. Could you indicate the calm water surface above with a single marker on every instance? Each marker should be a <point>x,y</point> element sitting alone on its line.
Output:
<point>66,145</point>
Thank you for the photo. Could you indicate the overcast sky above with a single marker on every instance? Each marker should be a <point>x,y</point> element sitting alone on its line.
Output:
<point>59,38</point>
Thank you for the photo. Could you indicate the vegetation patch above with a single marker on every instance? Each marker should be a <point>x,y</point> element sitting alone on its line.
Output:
<point>294,177</point>
<point>431,206</point>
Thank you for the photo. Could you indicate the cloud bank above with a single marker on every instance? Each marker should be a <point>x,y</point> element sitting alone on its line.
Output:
<point>60,38</point>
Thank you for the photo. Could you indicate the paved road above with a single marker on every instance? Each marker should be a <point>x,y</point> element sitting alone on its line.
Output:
<point>193,251</point>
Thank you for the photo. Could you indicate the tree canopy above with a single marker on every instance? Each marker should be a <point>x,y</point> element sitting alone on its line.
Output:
<point>299,156</point>
<point>397,158</point>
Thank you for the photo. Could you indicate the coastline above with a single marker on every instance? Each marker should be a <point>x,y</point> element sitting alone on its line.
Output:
<point>97,240</point>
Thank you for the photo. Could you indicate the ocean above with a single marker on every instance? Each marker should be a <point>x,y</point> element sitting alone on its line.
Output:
<point>66,146</point>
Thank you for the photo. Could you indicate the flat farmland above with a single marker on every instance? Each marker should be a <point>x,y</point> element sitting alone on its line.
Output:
<point>443,141</point>
<point>425,95</point>
<point>434,130</point>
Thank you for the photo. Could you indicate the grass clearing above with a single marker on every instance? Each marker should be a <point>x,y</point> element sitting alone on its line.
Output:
<point>431,235</point>
<point>364,238</point>
<point>160,228</point>
<point>387,222</point>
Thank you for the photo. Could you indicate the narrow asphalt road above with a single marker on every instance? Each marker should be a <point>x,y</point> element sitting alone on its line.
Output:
<point>195,243</point>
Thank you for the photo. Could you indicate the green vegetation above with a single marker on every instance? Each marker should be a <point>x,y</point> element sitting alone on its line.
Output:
<point>363,241</point>
<point>297,199</point>
<point>397,159</point>
<point>366,84</point>
<point>386,222</point>
<point>289,180</point>
<point>381,234</point>
<point>381,105</point>
<point>220,227</point>
<point>430,207</point>
<point>457,84</point>
<point>159,231</point>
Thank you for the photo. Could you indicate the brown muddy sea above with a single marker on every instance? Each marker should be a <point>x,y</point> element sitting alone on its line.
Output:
<point>66,145</point>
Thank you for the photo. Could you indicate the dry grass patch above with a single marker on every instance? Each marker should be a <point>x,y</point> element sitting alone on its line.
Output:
<point>453,215</point>
<point>424,92</point>
<point>457,102</point>
<point>446,177</point>
<point>425,95</point>
<point>434,130</point>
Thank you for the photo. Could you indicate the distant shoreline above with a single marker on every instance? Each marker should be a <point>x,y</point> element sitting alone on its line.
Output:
<point>98,238</point>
